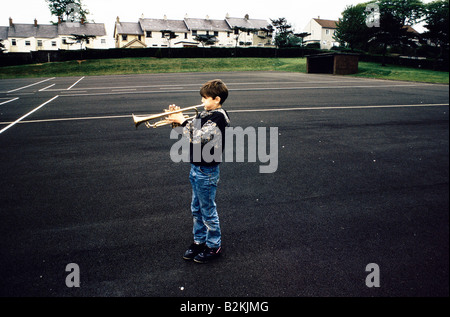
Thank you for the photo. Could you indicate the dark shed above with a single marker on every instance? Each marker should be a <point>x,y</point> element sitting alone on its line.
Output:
<point>332,63</point>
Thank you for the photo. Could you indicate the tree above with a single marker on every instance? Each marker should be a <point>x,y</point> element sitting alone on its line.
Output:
<point>206,39</point>
<point>352,30</point>
<point>395,17</point>
<point>2,47</point>
<point>285,36</point>
<point>81,38</point>
<point>67,10</point>
<point>283,32</point>
<point>437,24</point>
<point>238,31</point>
<point>169,35</point>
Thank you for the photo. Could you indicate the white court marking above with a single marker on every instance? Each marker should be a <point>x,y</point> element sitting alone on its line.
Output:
<point>5,102</point>
<point>43,81</point>
<point>244,111</point>
<point>72,94</point>
<point>76,83</point>
<point>26,115</point>
<point>44,89</point>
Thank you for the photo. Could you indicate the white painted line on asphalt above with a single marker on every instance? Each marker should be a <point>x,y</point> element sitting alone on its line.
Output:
<point>72,119</point>
<point>5,102</point>
<point>14,90</point>
<point>242,89</point>
<point>76,83</point>
<point>338,108</point>
<point>26,115</point>
<point>246,110</point>
<point>200,84</point>
<point>43,89</point>
<point>124,89</point>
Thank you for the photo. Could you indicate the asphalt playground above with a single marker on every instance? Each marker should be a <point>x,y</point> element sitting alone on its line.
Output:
<point>362,178</point>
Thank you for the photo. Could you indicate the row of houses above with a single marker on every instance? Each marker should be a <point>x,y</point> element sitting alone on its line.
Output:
<point>185,33</point>
<point>146,32</point>
<point>19,37</point>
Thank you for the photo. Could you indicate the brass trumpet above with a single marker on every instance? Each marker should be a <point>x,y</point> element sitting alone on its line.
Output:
<point>138,120</point>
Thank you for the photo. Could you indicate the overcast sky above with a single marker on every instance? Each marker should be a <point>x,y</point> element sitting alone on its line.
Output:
<point>297,12</point>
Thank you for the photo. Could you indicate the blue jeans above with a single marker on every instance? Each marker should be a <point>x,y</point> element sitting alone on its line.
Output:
<point>204,182</point>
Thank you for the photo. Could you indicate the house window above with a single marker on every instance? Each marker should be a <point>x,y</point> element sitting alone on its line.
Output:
<point>185,36</point>
<point>27,43</point>
<point>216,33</point>
<point>54,43</point>
<point>327,32</point>
<point>140,38</point>
<point>13,42</point>
<point>64,41</point>
<point>194,32</point>
<point>228,34</point>
<point>40,43</point>
<point>124,37</point>
<point>148,34</point>
<point>103,41</point>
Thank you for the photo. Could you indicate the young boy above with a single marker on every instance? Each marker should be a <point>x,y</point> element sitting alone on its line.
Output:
<point>206,134</point>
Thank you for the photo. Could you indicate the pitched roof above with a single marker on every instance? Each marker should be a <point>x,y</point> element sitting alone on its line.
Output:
<point>410,29</point>
<point>206,24</point>
<point>135,43</point>
<point>328,24</point>
<point>163,24</point>
<point>131,28</point>
<point>247,23</point>
<point>30,30</point>
<point>3,32</point>
<point>77,28</point>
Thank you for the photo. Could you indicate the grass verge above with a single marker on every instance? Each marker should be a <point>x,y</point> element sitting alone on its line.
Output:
<point>374,70</point>
<point>180,65</point>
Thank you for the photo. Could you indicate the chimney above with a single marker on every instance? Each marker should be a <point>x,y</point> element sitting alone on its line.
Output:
<point>247,17</point>
<point>207,17</point>
<point>117,19</point>
<point>165,17</point>
<point>35,23</point>
<point>11,24</point>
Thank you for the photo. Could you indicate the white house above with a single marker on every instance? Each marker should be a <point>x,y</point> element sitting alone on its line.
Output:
<point>18,37</point>
<point>66,31</point>
<point>322,32</point>
<point>217,28</point>
<point>254,31</point>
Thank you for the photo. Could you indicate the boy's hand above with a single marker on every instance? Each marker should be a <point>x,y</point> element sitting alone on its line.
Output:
<point>176,117</point>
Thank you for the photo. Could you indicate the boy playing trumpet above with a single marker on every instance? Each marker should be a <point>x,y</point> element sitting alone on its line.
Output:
<point>206,134</point>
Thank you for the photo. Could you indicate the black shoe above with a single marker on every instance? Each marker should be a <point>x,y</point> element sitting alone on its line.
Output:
<point>193,251</point>
<point>208,254</point>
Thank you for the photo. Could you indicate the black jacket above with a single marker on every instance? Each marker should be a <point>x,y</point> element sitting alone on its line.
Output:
<point>206,134</point>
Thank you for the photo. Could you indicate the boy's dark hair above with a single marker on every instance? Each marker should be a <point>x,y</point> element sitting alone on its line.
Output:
<point>215,88</point>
